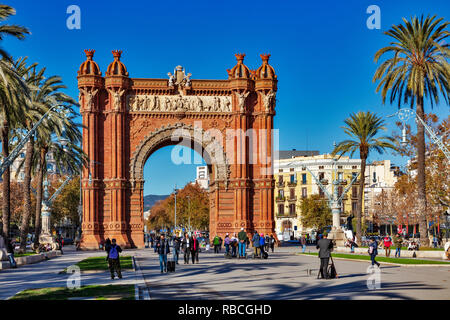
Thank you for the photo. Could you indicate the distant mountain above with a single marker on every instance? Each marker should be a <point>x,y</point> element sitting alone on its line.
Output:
<point>151,199</point>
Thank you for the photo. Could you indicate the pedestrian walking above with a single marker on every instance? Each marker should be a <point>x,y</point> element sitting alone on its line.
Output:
<point>324,245</point>
<point>10,244</point>
<point>242,238</point>
<point>262,245</point>
<point>234,245</point>
<point>220,244</point>
<point>114,259</point>
<point>151,241</point>
<point>227,244</point>
<point>107,247</point>
<point>195,248</point>
<point>176,248</point>
<point>373,250</point>
<point>387,242</point>
<point>398,242</point>
<point>267,243</point>
<point>272,242</point>
<point>256,245</point>
<point>186,247</point>
<point>59,241</point>
<point>216,243</point>
<point>163,248</point>
<point>303,243</point>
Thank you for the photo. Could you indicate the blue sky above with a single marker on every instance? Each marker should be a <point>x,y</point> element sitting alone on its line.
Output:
<point>322,52</point>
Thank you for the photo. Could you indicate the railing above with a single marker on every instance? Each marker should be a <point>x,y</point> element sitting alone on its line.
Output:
<point>292,183</point>
<point>292,198</point>
<point>279,198</point>
<point>280,184</point>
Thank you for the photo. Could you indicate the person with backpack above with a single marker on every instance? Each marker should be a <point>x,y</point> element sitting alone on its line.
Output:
<point>216,243</point>
<point>267,243</point>
<point>186,247</point>
<point>256,245</point>
<point>262,245</point>
<point>162,247</point>
<point>114,259</point>
<point>373,251</point>
<point>234,245</point>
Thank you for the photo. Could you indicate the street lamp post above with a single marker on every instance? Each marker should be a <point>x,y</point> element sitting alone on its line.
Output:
<point>175,190</point>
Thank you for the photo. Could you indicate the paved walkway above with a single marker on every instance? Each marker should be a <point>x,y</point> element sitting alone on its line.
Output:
<point>284,276</point>
<point>46,273</point>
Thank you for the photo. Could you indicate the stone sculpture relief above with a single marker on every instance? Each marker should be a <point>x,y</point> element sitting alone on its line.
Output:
<point>241,99</point>
<point>268,100</point>
<point>116,98</point>
<point>89,94</point>
<point>178,103</point>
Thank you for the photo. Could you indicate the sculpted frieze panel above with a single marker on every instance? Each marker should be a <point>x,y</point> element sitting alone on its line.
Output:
<point>178,103</point>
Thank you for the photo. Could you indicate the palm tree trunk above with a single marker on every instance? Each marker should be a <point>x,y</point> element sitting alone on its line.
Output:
<point>6,181</point>
<point>360,209</point>
<point>26,196</point>
<point>422,200</point>
<point>40,180</point>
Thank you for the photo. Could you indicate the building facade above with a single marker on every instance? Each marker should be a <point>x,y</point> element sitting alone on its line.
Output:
<point>293,182</point>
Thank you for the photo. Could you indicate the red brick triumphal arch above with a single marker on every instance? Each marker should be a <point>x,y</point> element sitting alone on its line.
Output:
<point>229,122</point>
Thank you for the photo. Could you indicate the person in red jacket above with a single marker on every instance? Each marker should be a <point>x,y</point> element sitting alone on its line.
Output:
<point>387,242</point>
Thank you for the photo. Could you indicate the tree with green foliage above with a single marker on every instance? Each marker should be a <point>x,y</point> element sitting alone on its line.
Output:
<point>316,212</point>
<point>363,128</point>
<point>418,69</point>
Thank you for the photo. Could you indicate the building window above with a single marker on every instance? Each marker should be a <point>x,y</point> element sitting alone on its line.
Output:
<point>281,193</point>
<point>321,167</point>
<point>354,167</point>
<point>281,209</point>
<point>287,226</point>
<point>304,192</point>
<point>304,178</point>
<point>280,178</point>
<point>321,176</point>
<point>280,170</point>
<point>340,190</point>
<point>292,177</point>
<point>354,207</point>
<point>340,176</point>
<point>292,208</point>
<point>354,174</point>
<point>22,155</point>
<point>339,167</point>
<point>292,169</point>
<point>321,194</point>
<point>292,193</point>
<point>354,192</point>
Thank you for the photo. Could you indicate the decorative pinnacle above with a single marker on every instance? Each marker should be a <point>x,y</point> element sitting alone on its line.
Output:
<point>265,57</point>
<point>117,54</point>
<point>240,56</point>
<point>89,53</point>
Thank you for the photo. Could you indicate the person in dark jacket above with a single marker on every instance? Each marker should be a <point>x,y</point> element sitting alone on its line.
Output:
<point>186,244</point>
<point>242,237</point>
<point>255,241</point>
<point>195,248</point>
<point>162,247</point>
<point>272,242</point>
<point>114,259</point>
<point>107,247</point>
<point>176,248</point>
<point>324,245</point>
<point>373,251</point>
<point>10,252</point>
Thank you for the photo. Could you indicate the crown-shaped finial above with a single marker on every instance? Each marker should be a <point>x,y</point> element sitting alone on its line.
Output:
<point>117,54</point>
<point>89,53</point>
<point>240,56</point>
<point>265,57</point>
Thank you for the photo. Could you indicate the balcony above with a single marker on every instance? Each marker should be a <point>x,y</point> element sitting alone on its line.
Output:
<point>280,199</point>
<point>343,182</point>
<point>280,184</point>
<point>324,181</point>
<point>292,199</point>
<point>292,184</point>
<point>287,215</point>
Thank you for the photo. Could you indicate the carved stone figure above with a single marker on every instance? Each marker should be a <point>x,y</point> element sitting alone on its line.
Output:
<point>171,79</point>
<point>116,95</point>
<point>241,99</point>
<point>89,94</point>
<point>268,100</point>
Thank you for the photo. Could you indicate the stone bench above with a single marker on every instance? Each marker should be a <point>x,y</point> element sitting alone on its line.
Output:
<point>30,259</point>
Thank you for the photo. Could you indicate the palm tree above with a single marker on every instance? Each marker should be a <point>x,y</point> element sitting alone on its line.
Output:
<point>68,158</point>
<point>363,127</point>
<point>418,69</point>
<point>13,92</point>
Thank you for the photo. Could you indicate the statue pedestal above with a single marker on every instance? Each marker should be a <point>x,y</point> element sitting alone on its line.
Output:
<point>3,253</point>
<point>338,236</point>
<point>45,239</point>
